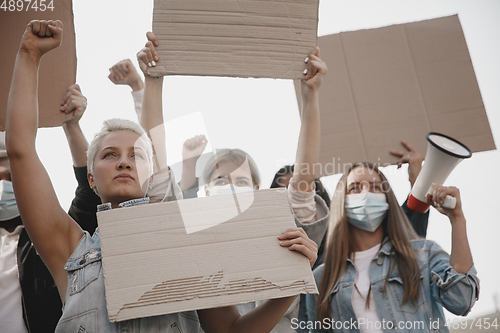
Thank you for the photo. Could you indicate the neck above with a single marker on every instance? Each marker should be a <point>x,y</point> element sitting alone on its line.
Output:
<point>362,240</point>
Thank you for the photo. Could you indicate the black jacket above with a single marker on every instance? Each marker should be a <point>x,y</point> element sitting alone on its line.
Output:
<point>42,305</point>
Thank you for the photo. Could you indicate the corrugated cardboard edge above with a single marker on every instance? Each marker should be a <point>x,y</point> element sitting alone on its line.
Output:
<point>163,70</point>
<point>359,152</point>
<point>125,313</point>
<point>57,68</point>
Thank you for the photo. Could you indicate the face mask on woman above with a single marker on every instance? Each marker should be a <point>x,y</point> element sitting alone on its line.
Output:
<point>8,204</point>
<point>226,189</point>
<point>367,210</point>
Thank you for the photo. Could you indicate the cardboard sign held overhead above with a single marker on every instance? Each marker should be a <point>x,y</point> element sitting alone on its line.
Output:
<point>237,261</point>
<point>241,38</point>
<point>397,83</point>
<point>57,68</point>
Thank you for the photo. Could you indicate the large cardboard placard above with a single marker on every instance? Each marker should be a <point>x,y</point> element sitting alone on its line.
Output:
<point>397,83</point>
<point>161,268</point>
<point>57,68</point>
<point>243,38</point>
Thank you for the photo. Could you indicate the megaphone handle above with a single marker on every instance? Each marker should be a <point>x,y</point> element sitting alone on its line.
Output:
<point>449,202</point>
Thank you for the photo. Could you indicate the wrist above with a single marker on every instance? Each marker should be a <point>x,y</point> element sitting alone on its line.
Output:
<point>153,79</point>
<point>137,84</point>
<point>457,218</point>
<point>71,127</point>
<point>189,163</point>
<point>310,94</point>
<point>29,54</point>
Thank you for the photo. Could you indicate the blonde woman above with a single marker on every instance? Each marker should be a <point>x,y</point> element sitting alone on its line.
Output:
<point>377,273</point>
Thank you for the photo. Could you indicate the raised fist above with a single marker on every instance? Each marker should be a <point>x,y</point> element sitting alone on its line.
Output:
<point>41,37</point>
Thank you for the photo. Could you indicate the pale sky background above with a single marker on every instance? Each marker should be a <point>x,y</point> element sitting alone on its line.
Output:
<point>260,116</point>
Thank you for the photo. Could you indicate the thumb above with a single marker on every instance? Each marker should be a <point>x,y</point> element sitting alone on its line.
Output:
<point>57,30</point>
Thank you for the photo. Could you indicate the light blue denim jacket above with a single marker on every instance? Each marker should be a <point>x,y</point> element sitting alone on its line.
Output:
<point>440,285</point>
<point>85,305</point>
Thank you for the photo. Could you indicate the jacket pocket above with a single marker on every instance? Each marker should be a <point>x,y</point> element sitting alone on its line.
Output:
<point>396,289</point>
<point>83,270</point>
<point>85,322</point>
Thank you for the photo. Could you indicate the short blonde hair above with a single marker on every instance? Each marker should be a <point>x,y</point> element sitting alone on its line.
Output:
<point>113,125</point>
<point>237,156</point>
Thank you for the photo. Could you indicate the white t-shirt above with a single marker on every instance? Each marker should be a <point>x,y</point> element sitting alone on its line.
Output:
<point>370,320</point>
<point>11,310</point>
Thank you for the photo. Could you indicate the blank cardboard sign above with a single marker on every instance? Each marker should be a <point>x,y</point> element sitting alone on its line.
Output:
<point>397,83</point>
<point>163,269</point>
<point>242,38</point>
<point>57,68</point>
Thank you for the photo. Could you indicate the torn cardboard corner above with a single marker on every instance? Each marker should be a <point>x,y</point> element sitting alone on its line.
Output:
<point>57,68</point>
<point>241,38</point>
<point>237,260</point>
<point>397,83</point>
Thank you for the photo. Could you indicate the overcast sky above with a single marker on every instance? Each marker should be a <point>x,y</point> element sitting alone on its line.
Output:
<point>261,116</point>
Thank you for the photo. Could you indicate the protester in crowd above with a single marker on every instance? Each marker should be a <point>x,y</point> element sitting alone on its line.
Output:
<point>419,221</point>
<point>29,300</point>
<point>233,170</point>
<point>377,273</point>
<point>119,157</point>
<point>124,73</point>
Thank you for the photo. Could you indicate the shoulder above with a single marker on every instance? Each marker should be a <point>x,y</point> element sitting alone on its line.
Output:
<point>429,251</point>
<point>425,245</point>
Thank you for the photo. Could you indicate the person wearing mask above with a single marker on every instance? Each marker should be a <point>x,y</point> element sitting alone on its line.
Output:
<point>378,274</point>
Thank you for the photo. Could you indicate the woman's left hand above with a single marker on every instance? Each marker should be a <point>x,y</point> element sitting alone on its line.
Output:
<point>436,198</point>
<point>296,239</point>
<point>148,56</point>
<point>316,70</point>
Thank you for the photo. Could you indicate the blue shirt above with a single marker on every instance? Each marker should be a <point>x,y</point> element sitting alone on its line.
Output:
<point>440,285</point>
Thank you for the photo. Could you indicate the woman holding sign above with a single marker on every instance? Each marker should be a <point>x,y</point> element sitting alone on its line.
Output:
<point>117,170</point>
<point>377,273</point>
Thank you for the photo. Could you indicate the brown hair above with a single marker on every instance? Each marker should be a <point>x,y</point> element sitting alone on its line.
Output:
<point>338,248</point>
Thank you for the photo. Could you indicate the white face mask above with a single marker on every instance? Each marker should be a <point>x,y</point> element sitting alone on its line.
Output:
<point>367,210</point>
<point>226,189</point>
<point>8,204</point>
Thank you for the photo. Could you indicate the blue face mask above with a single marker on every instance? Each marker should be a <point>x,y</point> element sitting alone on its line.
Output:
<point>8,204</point>
<point>367,210</point>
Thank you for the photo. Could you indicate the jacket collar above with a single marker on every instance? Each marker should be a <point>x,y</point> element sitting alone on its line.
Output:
<point>130,203</point>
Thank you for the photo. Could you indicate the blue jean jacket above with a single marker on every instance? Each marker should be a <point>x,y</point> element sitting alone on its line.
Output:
<point>440,285</point>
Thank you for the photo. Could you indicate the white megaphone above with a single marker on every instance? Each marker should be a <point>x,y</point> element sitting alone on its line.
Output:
<point>443,155</point>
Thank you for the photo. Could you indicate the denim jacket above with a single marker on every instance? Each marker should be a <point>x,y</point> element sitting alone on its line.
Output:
<point>85,305</point>
<point>440,285</point>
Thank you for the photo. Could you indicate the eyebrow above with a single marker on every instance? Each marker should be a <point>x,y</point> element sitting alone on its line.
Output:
<point>238,178</point>
<point>113,147</point>
<point>372,182</point>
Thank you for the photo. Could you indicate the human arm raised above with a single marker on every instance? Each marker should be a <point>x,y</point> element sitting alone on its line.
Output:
<point>191,152</point>
<point>309,136</point>
<point>152,109</point>
<point>74,102</point>
<point>52,231</point>
<point>411,156</point>
<point>461,256</point>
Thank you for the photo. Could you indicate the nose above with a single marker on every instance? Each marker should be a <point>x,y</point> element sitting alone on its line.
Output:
<point>124,163</point>
<point>365,187</point>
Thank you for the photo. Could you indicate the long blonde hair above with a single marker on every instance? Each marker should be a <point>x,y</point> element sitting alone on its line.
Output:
<point>338,247</point>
